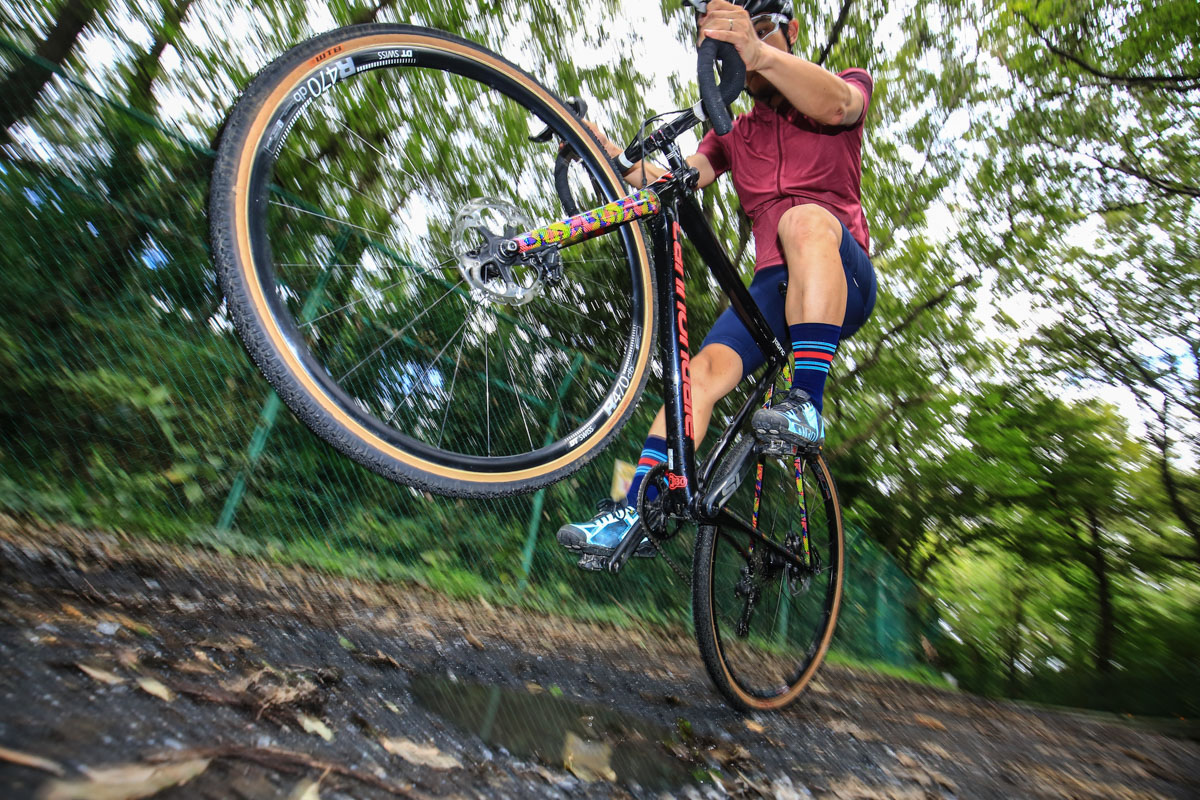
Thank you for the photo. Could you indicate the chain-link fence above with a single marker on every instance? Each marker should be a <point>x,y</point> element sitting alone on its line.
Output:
<point>129,404</point>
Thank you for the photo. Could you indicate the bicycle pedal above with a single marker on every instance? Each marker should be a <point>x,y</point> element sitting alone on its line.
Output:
<point>593,563</point>
<point>775,447</point>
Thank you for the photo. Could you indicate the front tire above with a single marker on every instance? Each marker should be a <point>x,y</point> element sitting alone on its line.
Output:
<point>351,178</point>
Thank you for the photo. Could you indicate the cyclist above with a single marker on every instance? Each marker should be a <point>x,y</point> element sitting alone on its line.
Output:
<point>796,164</point>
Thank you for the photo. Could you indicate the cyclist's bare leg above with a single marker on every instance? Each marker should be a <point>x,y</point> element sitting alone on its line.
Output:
<point>815,308</point>
<point>715,371</point>
<point>816,292</point>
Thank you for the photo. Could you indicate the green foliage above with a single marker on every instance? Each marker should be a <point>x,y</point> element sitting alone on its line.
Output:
<point>1030,180</point>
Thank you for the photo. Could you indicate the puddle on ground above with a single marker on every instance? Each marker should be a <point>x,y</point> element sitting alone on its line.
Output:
<point>602,743</point>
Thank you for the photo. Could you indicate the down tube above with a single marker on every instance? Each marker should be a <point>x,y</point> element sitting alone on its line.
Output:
<point>677,379</point>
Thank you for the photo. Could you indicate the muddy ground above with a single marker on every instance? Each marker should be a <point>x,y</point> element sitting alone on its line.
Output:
<point>258,681</point>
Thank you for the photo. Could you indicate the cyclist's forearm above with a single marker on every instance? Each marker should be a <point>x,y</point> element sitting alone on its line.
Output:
<point>811,89</point>
<point>643,174</point>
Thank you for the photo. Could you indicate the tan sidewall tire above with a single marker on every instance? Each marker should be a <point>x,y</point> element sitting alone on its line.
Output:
<point>708,637</point>
<point>230,233</point>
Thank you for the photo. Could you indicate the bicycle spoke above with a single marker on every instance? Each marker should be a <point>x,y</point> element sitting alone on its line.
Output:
<point>432,364</point>
<point>453,381</point>
<point>351,187</point>
<point>382,155</point>
<point>379,292</point>
<point>487,393</point>
<point>399,333</point>
<point>513,379</point>
<point>341,222</point>
<point>568,308</point>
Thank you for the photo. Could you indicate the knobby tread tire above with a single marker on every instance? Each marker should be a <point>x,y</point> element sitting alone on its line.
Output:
<point>704,617</point>
<point>223,234</point>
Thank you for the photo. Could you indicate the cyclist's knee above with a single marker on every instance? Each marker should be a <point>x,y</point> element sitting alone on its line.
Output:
<point>809,224</point>
<point>716,369</point>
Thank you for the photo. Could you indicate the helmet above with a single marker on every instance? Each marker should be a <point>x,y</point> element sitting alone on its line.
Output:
<point>753,7</point>
<point>756,7</point>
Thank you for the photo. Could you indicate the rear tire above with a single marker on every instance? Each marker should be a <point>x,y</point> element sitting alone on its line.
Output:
<point>764,660</point>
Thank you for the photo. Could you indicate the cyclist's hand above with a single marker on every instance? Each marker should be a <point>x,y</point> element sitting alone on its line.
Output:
<point>613,150</point>
<point>726,22</point>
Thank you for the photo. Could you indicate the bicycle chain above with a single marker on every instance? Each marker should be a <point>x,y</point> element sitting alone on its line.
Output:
<point>686,578</point>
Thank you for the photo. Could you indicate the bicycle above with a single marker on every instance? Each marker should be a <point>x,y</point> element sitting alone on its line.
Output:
<point>539,329</point>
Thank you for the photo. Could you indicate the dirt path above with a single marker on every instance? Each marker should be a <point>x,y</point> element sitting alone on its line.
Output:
<point>407,694</point>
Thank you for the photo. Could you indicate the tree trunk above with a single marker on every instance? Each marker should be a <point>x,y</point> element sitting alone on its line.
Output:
<point>1174,495</point>
<point>1107,628</point>
<point>23,86</point>
<point>1012,644</point>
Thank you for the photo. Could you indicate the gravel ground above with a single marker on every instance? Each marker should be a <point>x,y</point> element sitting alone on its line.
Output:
<point>216,677</point>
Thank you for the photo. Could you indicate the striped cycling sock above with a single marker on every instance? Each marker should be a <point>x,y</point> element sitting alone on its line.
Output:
<point>653,453</point>
<point>813,346</point>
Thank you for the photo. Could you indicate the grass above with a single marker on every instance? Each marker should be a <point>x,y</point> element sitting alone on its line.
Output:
<point>916,674</point>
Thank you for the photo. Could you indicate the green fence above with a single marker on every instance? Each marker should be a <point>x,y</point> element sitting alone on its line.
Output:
<point>128,404</point>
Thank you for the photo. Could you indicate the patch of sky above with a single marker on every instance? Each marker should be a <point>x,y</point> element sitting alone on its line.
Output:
<point>153,255</point>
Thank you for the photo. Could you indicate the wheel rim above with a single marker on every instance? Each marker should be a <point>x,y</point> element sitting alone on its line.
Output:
<point>771,638</point>
<point>408,353</point>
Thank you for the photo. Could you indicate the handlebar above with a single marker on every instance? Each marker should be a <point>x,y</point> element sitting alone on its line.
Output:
<point>715,99</point>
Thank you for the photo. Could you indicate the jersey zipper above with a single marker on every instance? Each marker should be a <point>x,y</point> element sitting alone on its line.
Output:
<point>779,147</point>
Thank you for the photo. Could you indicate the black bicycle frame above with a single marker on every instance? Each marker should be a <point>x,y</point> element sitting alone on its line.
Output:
<point>670,209</point>
<point>683,215</point>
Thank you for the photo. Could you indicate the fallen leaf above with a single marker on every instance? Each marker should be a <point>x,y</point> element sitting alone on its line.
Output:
<point>425,754</point>
<point>72,611</point>
<point>306,790</point>
<point>140,628</point>
<point>237,642</point>
<point>929,722</point>
<point>938,750</point>
<point>847,727</point>
<point>316,726</point>
<point>473,640</point>
<point>392,707</point>
<point>754,726</point>
<point>854,789</point>
<point>151,686</point>
<point>203,656</point>
<point>27,760</point>
<point>104,676</point>
<point>588,761</point>
<point>124,782</point>
<point>196,667</point>
<point>546,775</point>
<point>533,688</point>
<point>557,692</point>
<point>347,644</point>
<point>379,659</point>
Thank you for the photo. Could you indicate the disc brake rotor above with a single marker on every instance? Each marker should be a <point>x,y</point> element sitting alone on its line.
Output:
<point>481,228</point>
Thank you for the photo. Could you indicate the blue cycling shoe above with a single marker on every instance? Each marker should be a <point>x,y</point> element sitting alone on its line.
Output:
<point>794,421</point>
<point>601,535</point>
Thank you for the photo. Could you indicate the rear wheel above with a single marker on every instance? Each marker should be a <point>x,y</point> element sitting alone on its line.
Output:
<point>356,182</point>
<point>763,625</point>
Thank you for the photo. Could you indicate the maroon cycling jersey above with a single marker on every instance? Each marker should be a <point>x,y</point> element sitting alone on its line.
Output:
<point>780,158</point>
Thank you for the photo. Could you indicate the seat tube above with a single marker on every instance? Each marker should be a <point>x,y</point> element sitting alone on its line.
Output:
<point>677,379</point>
